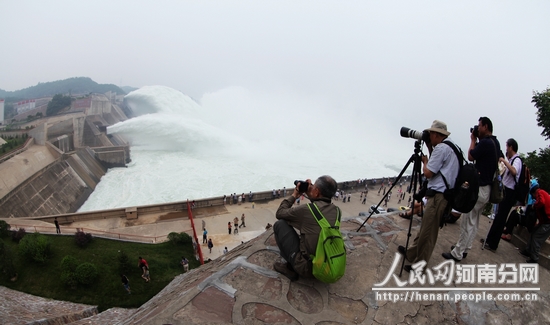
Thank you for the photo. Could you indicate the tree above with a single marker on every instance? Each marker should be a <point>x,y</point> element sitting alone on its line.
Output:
<point>542,103</point>
<point>57,103</point>
<point>538,163</point>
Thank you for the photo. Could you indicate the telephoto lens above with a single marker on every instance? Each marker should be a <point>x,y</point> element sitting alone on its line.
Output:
<point>419,135</point>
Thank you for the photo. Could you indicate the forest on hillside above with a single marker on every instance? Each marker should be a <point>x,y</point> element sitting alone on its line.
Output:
<point>77,85</point>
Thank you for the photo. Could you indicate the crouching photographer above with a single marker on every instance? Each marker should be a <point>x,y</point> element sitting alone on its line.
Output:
<point>295,248</point>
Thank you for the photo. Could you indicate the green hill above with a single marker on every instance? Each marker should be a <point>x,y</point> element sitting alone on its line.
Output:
<point>77,85</point>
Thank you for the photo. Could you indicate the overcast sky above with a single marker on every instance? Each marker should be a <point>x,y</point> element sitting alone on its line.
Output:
<point>383,64</point>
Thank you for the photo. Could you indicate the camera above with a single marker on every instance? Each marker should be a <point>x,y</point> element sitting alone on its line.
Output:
<point>303,186</point>
<point>419,135</point>
<point>475,131</point>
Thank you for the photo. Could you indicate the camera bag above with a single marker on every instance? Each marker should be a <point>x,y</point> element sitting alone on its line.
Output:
<point>521,189</point>
<point>497,188</point>
<point>463,196</point>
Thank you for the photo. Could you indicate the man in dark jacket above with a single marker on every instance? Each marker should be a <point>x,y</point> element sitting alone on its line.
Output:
<point>297,249</point>
<point>485,153</point>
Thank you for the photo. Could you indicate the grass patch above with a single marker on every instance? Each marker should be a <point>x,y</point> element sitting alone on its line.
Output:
<point>44,279</point>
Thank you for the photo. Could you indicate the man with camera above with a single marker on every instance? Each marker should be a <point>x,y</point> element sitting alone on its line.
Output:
<point>442,163</point>
<point>297,249</point>
<point>485,154</point>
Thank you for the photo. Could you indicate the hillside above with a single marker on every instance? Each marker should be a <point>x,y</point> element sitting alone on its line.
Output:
<point>77,85</point>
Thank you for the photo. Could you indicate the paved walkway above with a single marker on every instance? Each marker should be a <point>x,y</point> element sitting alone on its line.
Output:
<point>242,287</point>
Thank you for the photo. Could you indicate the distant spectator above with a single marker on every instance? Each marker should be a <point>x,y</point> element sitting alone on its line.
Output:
<point>125,283</point>
<point>142,264</point>
<point>225,251</point>
<point>185,264</point>
<point>242,222</point>
<point>210,244</point>
<point>57,229</point>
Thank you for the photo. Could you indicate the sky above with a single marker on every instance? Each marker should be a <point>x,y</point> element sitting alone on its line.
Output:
<point>380,64</point>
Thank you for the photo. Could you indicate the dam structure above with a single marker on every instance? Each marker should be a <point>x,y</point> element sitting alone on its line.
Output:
<point>63,160</point>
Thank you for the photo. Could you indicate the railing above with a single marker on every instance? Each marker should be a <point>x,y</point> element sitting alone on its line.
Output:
<point>18,150</point>
<point>95,232</point>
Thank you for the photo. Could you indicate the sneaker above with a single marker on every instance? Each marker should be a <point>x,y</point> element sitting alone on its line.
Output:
<point>449,256</point>
<point>286,270</point>
<point>463,254</point>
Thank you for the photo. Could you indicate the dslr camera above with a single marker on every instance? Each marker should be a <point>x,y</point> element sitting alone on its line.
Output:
<point>303,186</point>
<point>475,131</point>
<point>419,135</point>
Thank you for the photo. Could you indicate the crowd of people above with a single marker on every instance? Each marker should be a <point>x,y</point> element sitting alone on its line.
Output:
<point>441,170</point>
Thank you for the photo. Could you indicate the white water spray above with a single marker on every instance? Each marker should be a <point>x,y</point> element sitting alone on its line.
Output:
<point>236,142</point>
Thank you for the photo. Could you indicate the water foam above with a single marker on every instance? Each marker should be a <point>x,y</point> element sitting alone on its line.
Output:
<point>231,144</point>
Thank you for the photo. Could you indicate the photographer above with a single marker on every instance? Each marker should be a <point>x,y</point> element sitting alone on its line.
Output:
<point>442,162</point>
<point>296,249</point>
<point>486,155</point>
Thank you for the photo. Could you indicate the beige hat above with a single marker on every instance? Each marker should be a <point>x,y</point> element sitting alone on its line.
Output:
<point>439,127</point>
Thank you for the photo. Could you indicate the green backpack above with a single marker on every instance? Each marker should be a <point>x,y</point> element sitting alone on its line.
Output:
<point>329,262</point>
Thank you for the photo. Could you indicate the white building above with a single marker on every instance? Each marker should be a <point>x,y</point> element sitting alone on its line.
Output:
<point>1,111</point>
<point>25,105</point>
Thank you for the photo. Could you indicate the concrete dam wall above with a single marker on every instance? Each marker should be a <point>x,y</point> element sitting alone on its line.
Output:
<point>69,154</point>
<point>61,187</point>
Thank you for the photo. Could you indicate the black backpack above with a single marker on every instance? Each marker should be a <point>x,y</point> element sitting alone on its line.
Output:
<point>463,196</point>
<point>521,189</point>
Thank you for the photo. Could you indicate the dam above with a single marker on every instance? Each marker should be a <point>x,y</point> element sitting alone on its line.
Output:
<point>63,160</point>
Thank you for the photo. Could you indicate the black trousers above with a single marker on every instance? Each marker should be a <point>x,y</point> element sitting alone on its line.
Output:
<point>287,240</point>
<point>493,238</point>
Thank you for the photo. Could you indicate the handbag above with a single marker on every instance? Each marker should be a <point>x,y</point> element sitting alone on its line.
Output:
<point>497,189</point>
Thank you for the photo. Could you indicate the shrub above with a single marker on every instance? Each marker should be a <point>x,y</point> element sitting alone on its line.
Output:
<point>7,266</point>
<point>487,209</point>
<point>68,271</point>
<point>86,273</point>
<point>17,235</point>
<point>82,239</point>
<point>124,265</point>
<point>179,238</point>
<point>35,247</point>
<point>69,263</point>
<point>69,279</point>
<point>4,229</point>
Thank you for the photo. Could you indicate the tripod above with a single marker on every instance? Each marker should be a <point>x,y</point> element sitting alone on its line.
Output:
<point>416,159</point>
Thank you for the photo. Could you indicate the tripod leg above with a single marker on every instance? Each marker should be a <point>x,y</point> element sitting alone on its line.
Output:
<point>414,159</point>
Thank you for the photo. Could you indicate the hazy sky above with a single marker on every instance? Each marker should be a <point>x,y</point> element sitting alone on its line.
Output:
<point>382,64</point>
